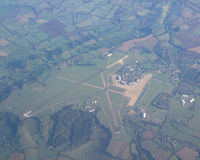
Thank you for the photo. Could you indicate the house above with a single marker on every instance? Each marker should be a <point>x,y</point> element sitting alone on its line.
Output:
<point>109,55</point>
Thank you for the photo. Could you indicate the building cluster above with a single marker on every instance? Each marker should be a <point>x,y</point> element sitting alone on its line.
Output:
<point>187,100</point>
<point>129,74</point>
<point>91,105</point>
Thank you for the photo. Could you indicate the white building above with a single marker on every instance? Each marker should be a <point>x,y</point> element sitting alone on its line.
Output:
<point>92,110</point>
<point>183,102</point>
<point>144,115</point>
<point>192,100</point>
<point>109,55</point>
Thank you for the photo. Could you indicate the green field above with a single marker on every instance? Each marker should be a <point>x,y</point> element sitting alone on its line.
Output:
<point>28,144</point>
<point>116,98</point>
<point>152,90</point>
<point>96,81</point>
<point>177,110</point>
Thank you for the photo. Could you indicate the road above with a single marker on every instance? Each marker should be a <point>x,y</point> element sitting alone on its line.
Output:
<point>68,89</point>
<point>120,61</point>
<point>109,101</point>
<point>90,85</point>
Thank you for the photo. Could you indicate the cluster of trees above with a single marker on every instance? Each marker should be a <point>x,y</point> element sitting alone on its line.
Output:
<point>162,101</point>
<point>79,60</point>
<point>192,76</point>
<point>186,88</point>
<point>73,127</point>
<point>9,140</point>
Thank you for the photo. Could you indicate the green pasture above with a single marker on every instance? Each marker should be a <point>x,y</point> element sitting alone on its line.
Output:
<point>116,98</point>
<point>105,105</point>
<point>85,152</point>
<point>173,158</point>
<point>176,110</point>
<point>152,90</point>
<point>96,81</point>
<point>150,146</point>
<point>101,117</point>
<point>78,73</point>
<point>198,30</point>
<point>28,144</point>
